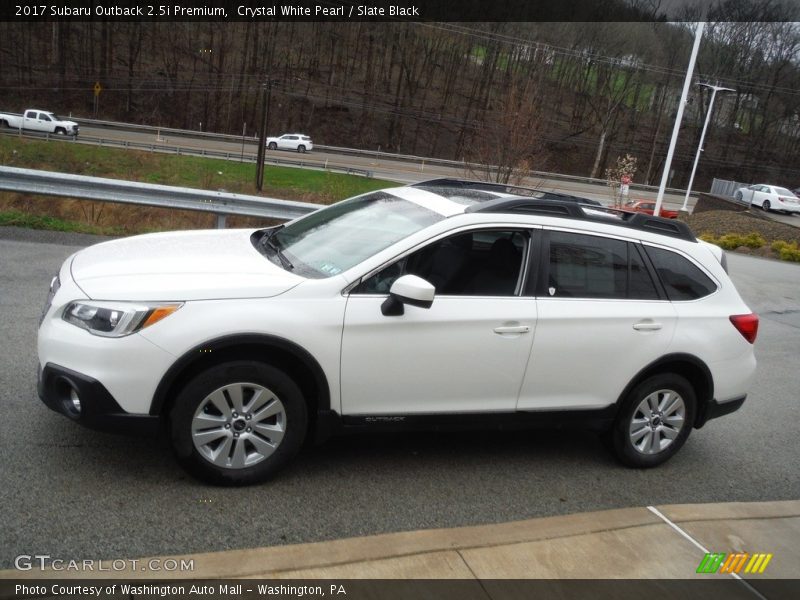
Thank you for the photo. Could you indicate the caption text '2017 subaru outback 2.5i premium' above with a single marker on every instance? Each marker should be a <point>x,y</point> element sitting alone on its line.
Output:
<point>419,306</point>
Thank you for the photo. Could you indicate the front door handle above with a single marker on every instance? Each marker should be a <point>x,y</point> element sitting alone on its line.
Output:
<point>512,329</point>
<point>647,326</point>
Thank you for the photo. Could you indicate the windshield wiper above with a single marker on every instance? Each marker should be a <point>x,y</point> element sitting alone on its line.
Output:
<point>267,242</point>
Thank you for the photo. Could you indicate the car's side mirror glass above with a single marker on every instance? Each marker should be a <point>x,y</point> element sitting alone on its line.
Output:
<point>408,289</point>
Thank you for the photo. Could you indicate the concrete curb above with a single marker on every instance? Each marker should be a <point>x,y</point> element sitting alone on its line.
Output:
<point>607,544</point>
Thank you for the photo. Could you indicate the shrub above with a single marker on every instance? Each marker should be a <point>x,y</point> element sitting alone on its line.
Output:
<point>789,252</point>
<point>731,241</point>
<point>779,245</point>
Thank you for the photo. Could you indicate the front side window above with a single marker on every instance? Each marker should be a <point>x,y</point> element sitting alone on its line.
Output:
<point>475,263</point>
<point>338,237</point>
<point>587,266</point>
<point>682,279</point>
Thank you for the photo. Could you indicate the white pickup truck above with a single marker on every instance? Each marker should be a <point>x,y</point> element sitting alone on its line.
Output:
<point>39,120</point>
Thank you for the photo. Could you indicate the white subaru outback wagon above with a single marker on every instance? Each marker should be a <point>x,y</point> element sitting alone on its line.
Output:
<point>442,304</point>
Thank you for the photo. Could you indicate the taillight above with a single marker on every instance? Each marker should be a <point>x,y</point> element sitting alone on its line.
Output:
<point>747,325</point>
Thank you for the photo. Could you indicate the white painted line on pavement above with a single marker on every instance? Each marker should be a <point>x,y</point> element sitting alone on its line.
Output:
<point>705,550</point>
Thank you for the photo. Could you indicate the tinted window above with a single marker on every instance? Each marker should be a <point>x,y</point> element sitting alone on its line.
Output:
<point>586,266</point>
<point>681,278</point>
<point>640,284</point>
<point>479,263</point>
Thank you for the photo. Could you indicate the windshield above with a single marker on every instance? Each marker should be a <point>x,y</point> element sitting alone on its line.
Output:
<point>332,240</point>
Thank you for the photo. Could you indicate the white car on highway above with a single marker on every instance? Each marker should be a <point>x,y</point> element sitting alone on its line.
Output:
<point>298,142</point>
<point>425,306</point>
<point>769,197</point>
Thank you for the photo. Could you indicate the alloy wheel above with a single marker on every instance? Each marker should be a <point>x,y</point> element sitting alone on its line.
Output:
<point>657,421</point>
<point>238,425</point>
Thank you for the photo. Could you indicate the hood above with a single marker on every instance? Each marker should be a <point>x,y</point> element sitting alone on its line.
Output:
<point>185,265</point>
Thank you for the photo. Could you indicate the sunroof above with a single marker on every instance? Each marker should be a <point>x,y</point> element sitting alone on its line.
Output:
<point>461,196</point>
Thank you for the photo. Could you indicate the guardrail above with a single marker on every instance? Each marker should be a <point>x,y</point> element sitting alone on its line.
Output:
<point>31,181</point>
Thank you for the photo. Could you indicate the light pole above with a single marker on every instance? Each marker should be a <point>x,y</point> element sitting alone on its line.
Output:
<point>698,35</point>
<point>715,89</point>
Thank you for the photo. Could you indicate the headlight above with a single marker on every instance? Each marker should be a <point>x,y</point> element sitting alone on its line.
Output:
<point>116,319</point>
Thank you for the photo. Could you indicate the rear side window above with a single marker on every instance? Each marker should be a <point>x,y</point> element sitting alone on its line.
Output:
<point>587,266</point>
<point>682,279</point>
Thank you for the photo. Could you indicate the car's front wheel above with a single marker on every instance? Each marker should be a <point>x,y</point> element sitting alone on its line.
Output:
<point>272,146</point>
<point>238,423</point>
<point>654,421</point>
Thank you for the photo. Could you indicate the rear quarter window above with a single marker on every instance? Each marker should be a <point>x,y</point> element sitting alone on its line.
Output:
<point>682,279</point>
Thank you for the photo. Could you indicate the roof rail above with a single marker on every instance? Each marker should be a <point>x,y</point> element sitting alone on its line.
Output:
<point>570,210</point>
<point>506,188</point>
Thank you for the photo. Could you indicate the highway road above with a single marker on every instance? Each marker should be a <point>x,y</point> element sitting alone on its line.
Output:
<point>381,167</point>
<point>74,493</point>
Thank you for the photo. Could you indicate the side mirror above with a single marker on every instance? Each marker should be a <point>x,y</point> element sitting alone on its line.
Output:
<point>408,289</point>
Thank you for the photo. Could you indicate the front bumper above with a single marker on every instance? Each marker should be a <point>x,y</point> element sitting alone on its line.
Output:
<point>98,409</point>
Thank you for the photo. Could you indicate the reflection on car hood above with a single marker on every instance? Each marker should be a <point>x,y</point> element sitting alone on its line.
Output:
<point>186,265</point>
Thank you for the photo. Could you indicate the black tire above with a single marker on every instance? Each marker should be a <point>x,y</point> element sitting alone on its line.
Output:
<point>766,205</point>
<point>193,402</point>
<point>4,123</point>
<point>738,196</point>
<point>60,131</point>
<point>301,149</point>
<point>622,434</point>
<point>272,146</point>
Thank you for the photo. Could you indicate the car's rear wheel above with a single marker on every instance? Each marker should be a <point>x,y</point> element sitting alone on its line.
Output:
<point>655,419</point>
<point>738,196</point>
<point>272,146</point>
<point>766,206</point>
<point>301,149</point>
<point>238,423</point>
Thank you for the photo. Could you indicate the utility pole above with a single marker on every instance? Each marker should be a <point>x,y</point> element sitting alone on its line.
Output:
<point>715,89</point>
<point>698,34</point>
<point>262,139</point>
<point>262,136</point>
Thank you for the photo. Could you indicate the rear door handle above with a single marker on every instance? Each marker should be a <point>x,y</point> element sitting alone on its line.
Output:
<point>512,329</point>
<point>647,326</point>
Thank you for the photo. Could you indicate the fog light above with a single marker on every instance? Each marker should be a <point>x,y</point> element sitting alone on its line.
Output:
<point>71,401</point>
<point>75,400</point>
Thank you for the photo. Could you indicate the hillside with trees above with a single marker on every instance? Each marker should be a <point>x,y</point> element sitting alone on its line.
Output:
<point>565,97</point>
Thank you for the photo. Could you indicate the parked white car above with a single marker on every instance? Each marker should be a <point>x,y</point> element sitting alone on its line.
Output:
<point>291,141</point>
<point>769,197</point>
<point>416,307</point>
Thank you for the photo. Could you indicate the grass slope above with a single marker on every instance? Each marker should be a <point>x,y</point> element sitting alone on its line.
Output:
<point>185,171</point>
